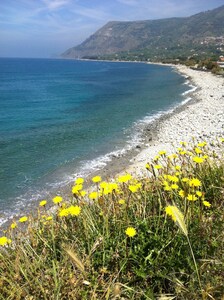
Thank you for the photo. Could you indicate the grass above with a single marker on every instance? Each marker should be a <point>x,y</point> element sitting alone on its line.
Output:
<point>157,237</point>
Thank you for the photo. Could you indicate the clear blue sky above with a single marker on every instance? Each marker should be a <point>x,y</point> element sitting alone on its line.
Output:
<point>43,28</point>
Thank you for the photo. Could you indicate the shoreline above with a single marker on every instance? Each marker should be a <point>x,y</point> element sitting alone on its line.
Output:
<point>200,118</point>
<point>165,132</point>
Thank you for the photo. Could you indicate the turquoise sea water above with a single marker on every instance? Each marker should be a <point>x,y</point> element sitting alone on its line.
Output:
<point>63,118</point>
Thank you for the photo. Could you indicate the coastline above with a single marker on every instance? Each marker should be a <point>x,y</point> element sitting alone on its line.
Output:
<point>200,118</point>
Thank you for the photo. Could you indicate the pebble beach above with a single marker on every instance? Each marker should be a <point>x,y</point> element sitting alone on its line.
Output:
<point>201,118</point>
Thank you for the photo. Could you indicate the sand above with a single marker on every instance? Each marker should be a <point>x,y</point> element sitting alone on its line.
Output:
<point>201,118</point>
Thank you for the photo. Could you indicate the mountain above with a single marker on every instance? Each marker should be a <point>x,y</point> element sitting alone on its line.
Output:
<point>164,37</point>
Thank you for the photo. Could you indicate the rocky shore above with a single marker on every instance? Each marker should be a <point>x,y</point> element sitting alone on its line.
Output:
<point>202,118</point>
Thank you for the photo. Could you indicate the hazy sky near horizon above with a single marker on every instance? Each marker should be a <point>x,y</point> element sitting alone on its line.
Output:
<point>45,28</point>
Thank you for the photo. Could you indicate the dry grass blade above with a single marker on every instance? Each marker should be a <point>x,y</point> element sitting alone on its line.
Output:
<point>76,260</point>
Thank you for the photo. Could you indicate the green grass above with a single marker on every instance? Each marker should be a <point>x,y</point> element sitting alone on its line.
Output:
<point>173,248</point>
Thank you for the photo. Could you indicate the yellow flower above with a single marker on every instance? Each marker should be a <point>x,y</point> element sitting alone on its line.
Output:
<point>96,179</point>
<point>13,225</point>
<point>82,193</point>
<point>43,203</point>
<point>198,151</point>
<point>23,219</point>
<point>167,188</point>
<point>93,195</point>
<point>198,159</point>
<point>183,152</point>
<point>63,212</point>
<point>74,210</point>
<point>79,181</point>
<point>49,218</point>
<point>130,231</point>
<point>170,212</point>
<point>191,197</point>
<point>124,178</point>
<point>174,186</point>
<point>147,166</point>
<point>181,193</point>
<point>203,144</point>
<point>121,201</point>
<point>178,168</point>
<point>4,241</point>
<point>133,188</point>
<point>157,167</point>
<point>183,143</point>
<point>77,188</point>
<point>157,157</point>
<point>195,182</point>
<point>162,152</point>
<point>103,184</point>
<point>174,179</point>
<point>206,203</point>
<point>177,216</point>
<point>199,194</point>
<point>57,199</point>
<point>185,179</point>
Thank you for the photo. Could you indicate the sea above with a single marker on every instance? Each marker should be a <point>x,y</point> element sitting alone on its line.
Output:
<point>62,119</point>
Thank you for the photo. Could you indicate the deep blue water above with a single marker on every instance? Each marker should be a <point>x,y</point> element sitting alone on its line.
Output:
<point>61,117</point>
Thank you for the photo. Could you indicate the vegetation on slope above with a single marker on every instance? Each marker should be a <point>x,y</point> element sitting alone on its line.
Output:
<point>158,237</point>
<point>154,40</point>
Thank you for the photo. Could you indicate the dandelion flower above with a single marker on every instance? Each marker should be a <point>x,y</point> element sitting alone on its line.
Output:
<point>198,159</point>
<point>130,231</point>
<point>157,167</point>
<point>191,197</point>
<point>93,195</point>
<point>49,218</point>
<point>13,225</point>
<point>194,182</point>
<point>183,152</point>
<point>82,193</point>
<point>96,179</point>
<point>57,199</point>
<point>4,241</point>
<point>74,210</point>
<point>63,212</point>
<point>162,152</point>
<point>206,203</point>
<point>43,203</point>
<point>167,188</point>
<point>156,158</point>
<point>121,201</point>
<point>199,194</point>
<point>124,178</point>
<point>181,193</point>
<point>203,144</point>
<point>147,166</point>
<point>177,216</point>
<point>198,151</point>
<point>178,168</point>
<point>174,186</point>
<point>76,189</point>
<point>133,188</point>
<point>23,219</point>
<point>79,181</point>
<point>185,179</point>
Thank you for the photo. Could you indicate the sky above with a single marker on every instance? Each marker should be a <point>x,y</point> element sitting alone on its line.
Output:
<point>46,28</point>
